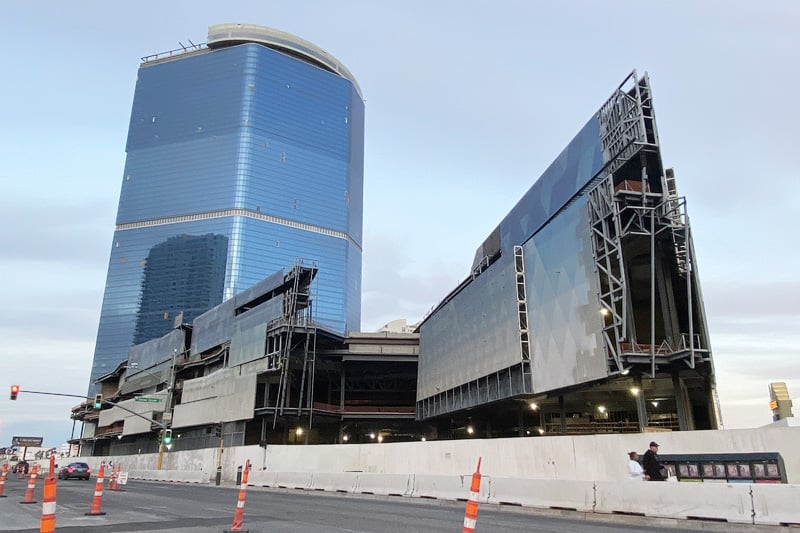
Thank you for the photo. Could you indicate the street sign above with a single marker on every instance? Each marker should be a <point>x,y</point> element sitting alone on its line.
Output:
<point>27,441</point>
<point>123,478</point>
<point>147,399</point>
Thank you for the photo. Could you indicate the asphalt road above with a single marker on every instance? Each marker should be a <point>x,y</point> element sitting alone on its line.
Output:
<point>185,508</point>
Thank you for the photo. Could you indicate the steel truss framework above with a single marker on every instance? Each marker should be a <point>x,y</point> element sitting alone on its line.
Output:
<point>506,383</point>
<point>627,204</point>
<point>290,334</point>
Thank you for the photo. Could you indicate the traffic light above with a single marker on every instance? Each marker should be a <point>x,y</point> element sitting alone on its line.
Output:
<point>98,401</point>
<point>14,391</point>
<point>167,437</point>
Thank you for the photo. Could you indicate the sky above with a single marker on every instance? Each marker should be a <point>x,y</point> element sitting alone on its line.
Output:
<point>467,103</point>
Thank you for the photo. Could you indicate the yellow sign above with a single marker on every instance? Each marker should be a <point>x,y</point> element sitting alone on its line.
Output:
<point>773,405</point>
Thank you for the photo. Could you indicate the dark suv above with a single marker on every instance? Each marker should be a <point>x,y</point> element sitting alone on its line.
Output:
<point>77,470</point>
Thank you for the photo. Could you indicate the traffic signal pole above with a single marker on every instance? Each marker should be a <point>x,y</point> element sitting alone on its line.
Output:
<point>97,402</point>
<point>160,453</point>
<point>18,390</point>
<point>97,399</point>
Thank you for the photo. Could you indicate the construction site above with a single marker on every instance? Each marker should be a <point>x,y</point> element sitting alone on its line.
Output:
<point>582,314</point>
<point>257,370</point>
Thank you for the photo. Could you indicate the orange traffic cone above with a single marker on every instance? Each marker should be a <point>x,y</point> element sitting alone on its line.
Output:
<point>48,522</point>
<point>114,484</point>
<point>471,514</point>
<point>31,485</point>
<point>98,493</point>
<point>237,518</point>
<point>3,479</point>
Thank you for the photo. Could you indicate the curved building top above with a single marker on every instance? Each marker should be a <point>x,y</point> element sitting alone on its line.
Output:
<point>221,35</point>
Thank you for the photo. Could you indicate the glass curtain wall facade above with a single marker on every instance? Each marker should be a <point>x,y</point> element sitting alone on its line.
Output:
<point>242,158</point>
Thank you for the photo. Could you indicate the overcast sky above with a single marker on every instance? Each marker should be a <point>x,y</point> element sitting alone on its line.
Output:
<point>466,104</point>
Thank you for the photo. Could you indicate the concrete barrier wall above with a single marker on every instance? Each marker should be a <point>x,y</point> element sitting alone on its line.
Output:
<point>262,478</point>
<point>334,482</point>
<point>776,504</point>
<point>589,457</point>
<point>180,476</point>
<point>714,501</point>
<point>293,480</point>
<point>770,504</point>
<point>386,484</point>
<point>548,494</point>
<point>448,487</point>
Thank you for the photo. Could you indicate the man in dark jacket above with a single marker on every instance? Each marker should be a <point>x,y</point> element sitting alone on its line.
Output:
<point>651,464</point>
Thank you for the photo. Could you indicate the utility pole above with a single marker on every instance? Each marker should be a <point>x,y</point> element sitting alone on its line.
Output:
<point>167,416</point>
<point>220,433</point>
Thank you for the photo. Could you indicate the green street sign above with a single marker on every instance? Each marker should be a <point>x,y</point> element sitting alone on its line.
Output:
<point>147,399</point>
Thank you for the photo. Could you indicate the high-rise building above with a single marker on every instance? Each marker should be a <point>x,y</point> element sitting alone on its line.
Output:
<point>244,155</point>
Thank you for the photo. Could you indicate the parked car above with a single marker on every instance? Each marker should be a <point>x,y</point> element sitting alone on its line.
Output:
<point>75,470</point>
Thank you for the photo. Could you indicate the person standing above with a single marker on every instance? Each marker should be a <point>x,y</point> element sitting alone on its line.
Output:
<point>651,464</point>
<point>635,471</point>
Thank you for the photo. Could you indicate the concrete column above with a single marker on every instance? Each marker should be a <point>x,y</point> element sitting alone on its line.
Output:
<point>680,402</point>
<point>341,395</point>
<point>563,414</point>
<point>641,404</point>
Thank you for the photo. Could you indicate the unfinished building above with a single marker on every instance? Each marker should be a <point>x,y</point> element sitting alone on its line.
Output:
<point>258,369</point>
<point>583,311</point>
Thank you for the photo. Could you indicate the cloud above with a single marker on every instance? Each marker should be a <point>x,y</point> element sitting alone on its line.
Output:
<point>399,284</point>
<point>78,234</point>
<point>49,365</point>
<point>750,300</point>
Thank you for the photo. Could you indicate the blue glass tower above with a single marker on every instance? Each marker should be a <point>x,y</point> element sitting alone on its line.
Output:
<point>243,156</point>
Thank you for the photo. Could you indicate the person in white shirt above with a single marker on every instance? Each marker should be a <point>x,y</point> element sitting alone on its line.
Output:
<point>635,471</point>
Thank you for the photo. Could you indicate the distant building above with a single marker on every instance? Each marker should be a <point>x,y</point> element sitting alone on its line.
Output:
<point>243,154</point>
<point>780,402</point>
<point>583,311</point>
<point>398,326</point>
